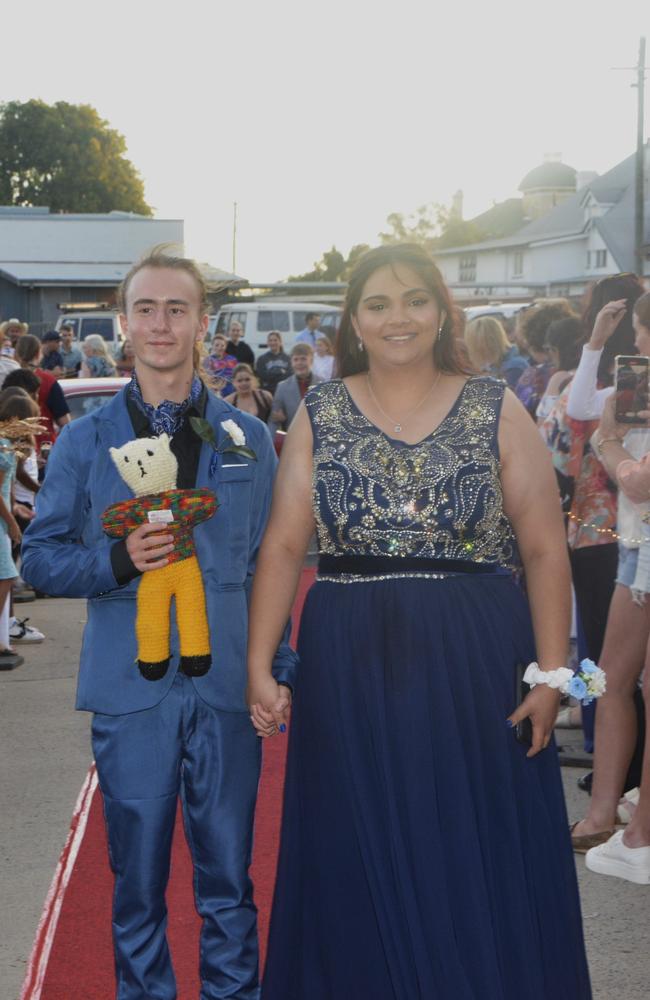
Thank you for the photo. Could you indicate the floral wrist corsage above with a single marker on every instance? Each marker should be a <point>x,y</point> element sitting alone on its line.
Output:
<point>587,683</point>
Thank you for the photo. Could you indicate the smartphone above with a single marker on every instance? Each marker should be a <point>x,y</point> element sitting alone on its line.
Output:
<point>631,388</point>
<point>523,730</point>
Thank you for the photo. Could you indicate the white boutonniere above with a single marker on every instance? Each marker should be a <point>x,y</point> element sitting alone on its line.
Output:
<point>205,431</point>
<point>235,432</point>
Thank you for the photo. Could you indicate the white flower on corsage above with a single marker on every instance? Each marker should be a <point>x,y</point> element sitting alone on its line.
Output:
<point>235,432</point>
<point>205,431</point>
<point>585,684</point>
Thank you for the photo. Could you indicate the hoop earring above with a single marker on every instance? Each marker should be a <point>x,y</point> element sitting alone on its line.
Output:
<point>360,344</point>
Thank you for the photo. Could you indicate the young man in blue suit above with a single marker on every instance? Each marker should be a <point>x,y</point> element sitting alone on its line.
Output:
<point>180,735</point>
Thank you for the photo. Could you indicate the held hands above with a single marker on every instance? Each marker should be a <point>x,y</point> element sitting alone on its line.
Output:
<point>269,704</point>
<point>148,547</point>
<point>541,706</point>
<point>606,323</point>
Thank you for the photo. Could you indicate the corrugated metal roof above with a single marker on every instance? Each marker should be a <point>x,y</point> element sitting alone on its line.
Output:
<point>68,273</point>
<point>75,273</point>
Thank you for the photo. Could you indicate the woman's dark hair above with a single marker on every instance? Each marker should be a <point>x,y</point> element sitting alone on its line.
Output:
<point>350,360</point>
<point>23,378</point>
<point>539,317</point>
<point>17,404</point>
<point>242,367</point>
<point>565,335</point>
<point>642,309</point>
<point>615,286</point>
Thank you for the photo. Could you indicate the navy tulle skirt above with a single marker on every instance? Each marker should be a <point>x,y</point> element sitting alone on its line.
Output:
<point>423,856</point>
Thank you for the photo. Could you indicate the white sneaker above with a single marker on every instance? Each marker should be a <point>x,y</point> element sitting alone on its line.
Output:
<point>20,631</point>
<point>616,858</point>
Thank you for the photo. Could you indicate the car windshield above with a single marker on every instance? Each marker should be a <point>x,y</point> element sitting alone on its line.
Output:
<point>92,325</point>
<point>87,402</point>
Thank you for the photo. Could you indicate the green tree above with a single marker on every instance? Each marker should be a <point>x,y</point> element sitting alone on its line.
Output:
<point>329,268</point>
<point>67,157</point>
<point>422,226</point>
<point>435,226</point>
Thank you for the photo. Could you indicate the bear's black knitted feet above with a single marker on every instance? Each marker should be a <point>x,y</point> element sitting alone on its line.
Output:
<point>153,671</point>
<point>195,666</point>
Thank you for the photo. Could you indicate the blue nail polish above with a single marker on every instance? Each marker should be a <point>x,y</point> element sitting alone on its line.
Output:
<point>283,728</point>
<point>509,724</point>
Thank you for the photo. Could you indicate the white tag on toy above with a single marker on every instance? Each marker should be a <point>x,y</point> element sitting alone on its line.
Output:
<point>160,516</point>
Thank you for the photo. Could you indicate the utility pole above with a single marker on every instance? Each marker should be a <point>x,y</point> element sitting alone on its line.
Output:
<point>234,237</point>
<point>639,194</point>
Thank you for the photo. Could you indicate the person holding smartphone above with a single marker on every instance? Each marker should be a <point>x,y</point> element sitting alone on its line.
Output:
<point>625,454</point>
<point>591,495</point>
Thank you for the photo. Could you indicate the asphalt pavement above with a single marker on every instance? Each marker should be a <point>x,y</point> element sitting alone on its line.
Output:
<point>45,754</point>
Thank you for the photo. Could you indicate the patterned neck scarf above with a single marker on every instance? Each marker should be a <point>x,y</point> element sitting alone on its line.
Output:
<point>167,417</point>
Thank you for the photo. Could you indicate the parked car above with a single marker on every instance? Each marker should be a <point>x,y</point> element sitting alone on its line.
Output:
<point>500,310</point>
<point>259,318</point>
<point>104,322</point>
<point>84,395</point>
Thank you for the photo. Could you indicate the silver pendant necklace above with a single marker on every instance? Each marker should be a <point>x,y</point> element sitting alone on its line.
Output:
<point>397,427</point>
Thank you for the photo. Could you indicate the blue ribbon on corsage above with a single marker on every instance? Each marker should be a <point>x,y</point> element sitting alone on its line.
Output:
<point>234,434</point>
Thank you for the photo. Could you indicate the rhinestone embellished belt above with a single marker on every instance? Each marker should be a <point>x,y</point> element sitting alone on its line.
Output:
<point>357,569</point>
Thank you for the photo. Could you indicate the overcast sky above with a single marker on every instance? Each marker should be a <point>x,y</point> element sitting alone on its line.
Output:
<point>319,119</point>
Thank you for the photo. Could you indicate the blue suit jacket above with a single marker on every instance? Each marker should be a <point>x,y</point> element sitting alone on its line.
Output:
<point>66,553</point>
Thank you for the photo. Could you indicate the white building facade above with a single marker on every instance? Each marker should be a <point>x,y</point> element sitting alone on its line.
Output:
<point>588,235</point>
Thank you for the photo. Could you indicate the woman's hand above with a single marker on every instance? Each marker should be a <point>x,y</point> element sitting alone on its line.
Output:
<point>148,547</point>
<point>269,704</point>
<point>541,706</point>
<point>606,323</point>
<point>609,426</point>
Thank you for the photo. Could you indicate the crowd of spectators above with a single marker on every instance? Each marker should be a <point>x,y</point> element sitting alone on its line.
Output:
<point>559,359</point>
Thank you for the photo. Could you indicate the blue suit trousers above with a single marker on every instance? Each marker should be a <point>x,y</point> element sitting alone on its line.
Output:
<point>212,759</point>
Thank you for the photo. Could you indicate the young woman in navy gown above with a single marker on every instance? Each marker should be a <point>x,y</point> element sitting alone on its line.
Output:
<point>425,852</point>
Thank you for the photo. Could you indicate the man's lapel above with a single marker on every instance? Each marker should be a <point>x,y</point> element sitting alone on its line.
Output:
<point>215,411</point>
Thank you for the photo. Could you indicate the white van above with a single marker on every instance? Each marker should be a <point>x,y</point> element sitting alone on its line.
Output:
<point>104,322</point>
<point>259,318</point>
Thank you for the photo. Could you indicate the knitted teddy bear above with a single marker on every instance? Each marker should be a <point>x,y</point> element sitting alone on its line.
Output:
<point>149,467</point>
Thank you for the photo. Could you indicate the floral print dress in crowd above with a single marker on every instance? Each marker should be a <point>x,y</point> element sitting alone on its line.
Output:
<point>588,494</point>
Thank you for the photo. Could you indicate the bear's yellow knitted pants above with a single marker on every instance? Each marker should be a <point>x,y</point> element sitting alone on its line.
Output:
<point>183,581</point>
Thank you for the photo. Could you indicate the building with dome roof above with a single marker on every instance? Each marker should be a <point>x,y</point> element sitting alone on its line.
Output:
<point>577,228</point>
<point>547,186</point>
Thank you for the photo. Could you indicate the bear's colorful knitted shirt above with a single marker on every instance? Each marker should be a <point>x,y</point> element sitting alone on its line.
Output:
<point>189,508</point>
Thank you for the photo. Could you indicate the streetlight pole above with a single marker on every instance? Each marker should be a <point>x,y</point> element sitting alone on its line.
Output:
<point>234,237</point>
<point>639,164</point>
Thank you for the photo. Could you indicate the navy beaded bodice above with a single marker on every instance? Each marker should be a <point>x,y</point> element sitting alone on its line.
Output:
<point>440,498</point>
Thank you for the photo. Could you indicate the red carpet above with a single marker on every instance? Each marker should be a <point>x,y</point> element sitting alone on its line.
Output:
<point>80,965</point>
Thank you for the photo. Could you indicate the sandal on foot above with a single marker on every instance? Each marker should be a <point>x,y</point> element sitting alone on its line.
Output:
<point>583,842</point>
